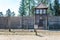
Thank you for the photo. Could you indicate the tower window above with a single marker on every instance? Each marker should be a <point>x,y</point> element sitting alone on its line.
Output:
<point>44,11</point>
<point>40,11</point>
<point>37,11</point>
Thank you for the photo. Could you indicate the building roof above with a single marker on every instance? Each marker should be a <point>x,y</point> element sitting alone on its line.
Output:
<point>41,5</point>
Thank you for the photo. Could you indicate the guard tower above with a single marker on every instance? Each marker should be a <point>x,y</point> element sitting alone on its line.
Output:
<point>41,15</point>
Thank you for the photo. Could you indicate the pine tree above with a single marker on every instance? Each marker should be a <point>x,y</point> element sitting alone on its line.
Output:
<point>22,8</point>
<point>22,11</point>
<point>32,7</point>
<point>56,7</point>
<point>29,4</point>
<point>43,1</point>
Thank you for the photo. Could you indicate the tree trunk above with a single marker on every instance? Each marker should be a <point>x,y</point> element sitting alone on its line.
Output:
<point>29,7</point>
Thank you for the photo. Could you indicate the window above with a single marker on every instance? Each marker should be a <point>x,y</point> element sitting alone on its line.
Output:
<point>44,11</point>
<point>37,11</point>
<point>40,11</point>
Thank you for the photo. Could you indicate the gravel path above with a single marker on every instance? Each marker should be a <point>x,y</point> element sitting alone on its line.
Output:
<point>28,37</point>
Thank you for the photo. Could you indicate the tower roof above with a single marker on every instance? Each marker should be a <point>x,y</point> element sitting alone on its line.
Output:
<point>41,5</point>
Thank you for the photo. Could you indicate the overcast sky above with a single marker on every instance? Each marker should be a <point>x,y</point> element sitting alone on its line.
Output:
<point>9,4</point>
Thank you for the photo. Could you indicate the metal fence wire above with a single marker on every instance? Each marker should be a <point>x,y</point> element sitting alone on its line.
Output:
<point>54,22</point>
<point>16,23</point>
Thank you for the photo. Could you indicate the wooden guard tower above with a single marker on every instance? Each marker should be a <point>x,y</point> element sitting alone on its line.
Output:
<point>40,15</point>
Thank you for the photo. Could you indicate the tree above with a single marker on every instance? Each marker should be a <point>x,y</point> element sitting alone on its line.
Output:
<point>38,1</point>
<point>56,7</point>
<point>1,14</point>
<point>8,13</point>
<point>28,7</point>
<point>22,10</point>
<point>30,4</point>
<point>59,10</point>
<point>13,14</point>
<point>43,1</point>
<point>33,2</point>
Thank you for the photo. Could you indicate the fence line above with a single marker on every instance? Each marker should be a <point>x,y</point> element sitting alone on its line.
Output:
<point>15,22</point>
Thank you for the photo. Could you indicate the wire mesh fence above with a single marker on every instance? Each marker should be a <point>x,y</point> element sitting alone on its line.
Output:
<point>28,22</point>
<point>54,22</point>
<point>16,23</point>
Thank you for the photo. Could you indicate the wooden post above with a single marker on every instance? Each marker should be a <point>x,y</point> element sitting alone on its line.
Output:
<point>9,24</point>
<point>35,29</point>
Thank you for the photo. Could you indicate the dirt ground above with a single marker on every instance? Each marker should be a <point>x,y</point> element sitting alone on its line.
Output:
<point>28,37</point>
<point>42,35</point>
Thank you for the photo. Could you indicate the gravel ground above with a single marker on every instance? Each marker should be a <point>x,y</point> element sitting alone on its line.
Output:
<point>42,35</point>
<point>28,37</point>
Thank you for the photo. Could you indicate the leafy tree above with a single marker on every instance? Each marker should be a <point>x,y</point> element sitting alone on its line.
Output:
<point>13,14</point>
<point>8,13</point>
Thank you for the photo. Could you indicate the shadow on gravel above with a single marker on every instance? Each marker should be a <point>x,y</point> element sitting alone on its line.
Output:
<point>39,35</point>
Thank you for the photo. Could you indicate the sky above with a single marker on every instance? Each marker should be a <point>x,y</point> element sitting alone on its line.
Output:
<point>59,1</point>
<point>13,5</point>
